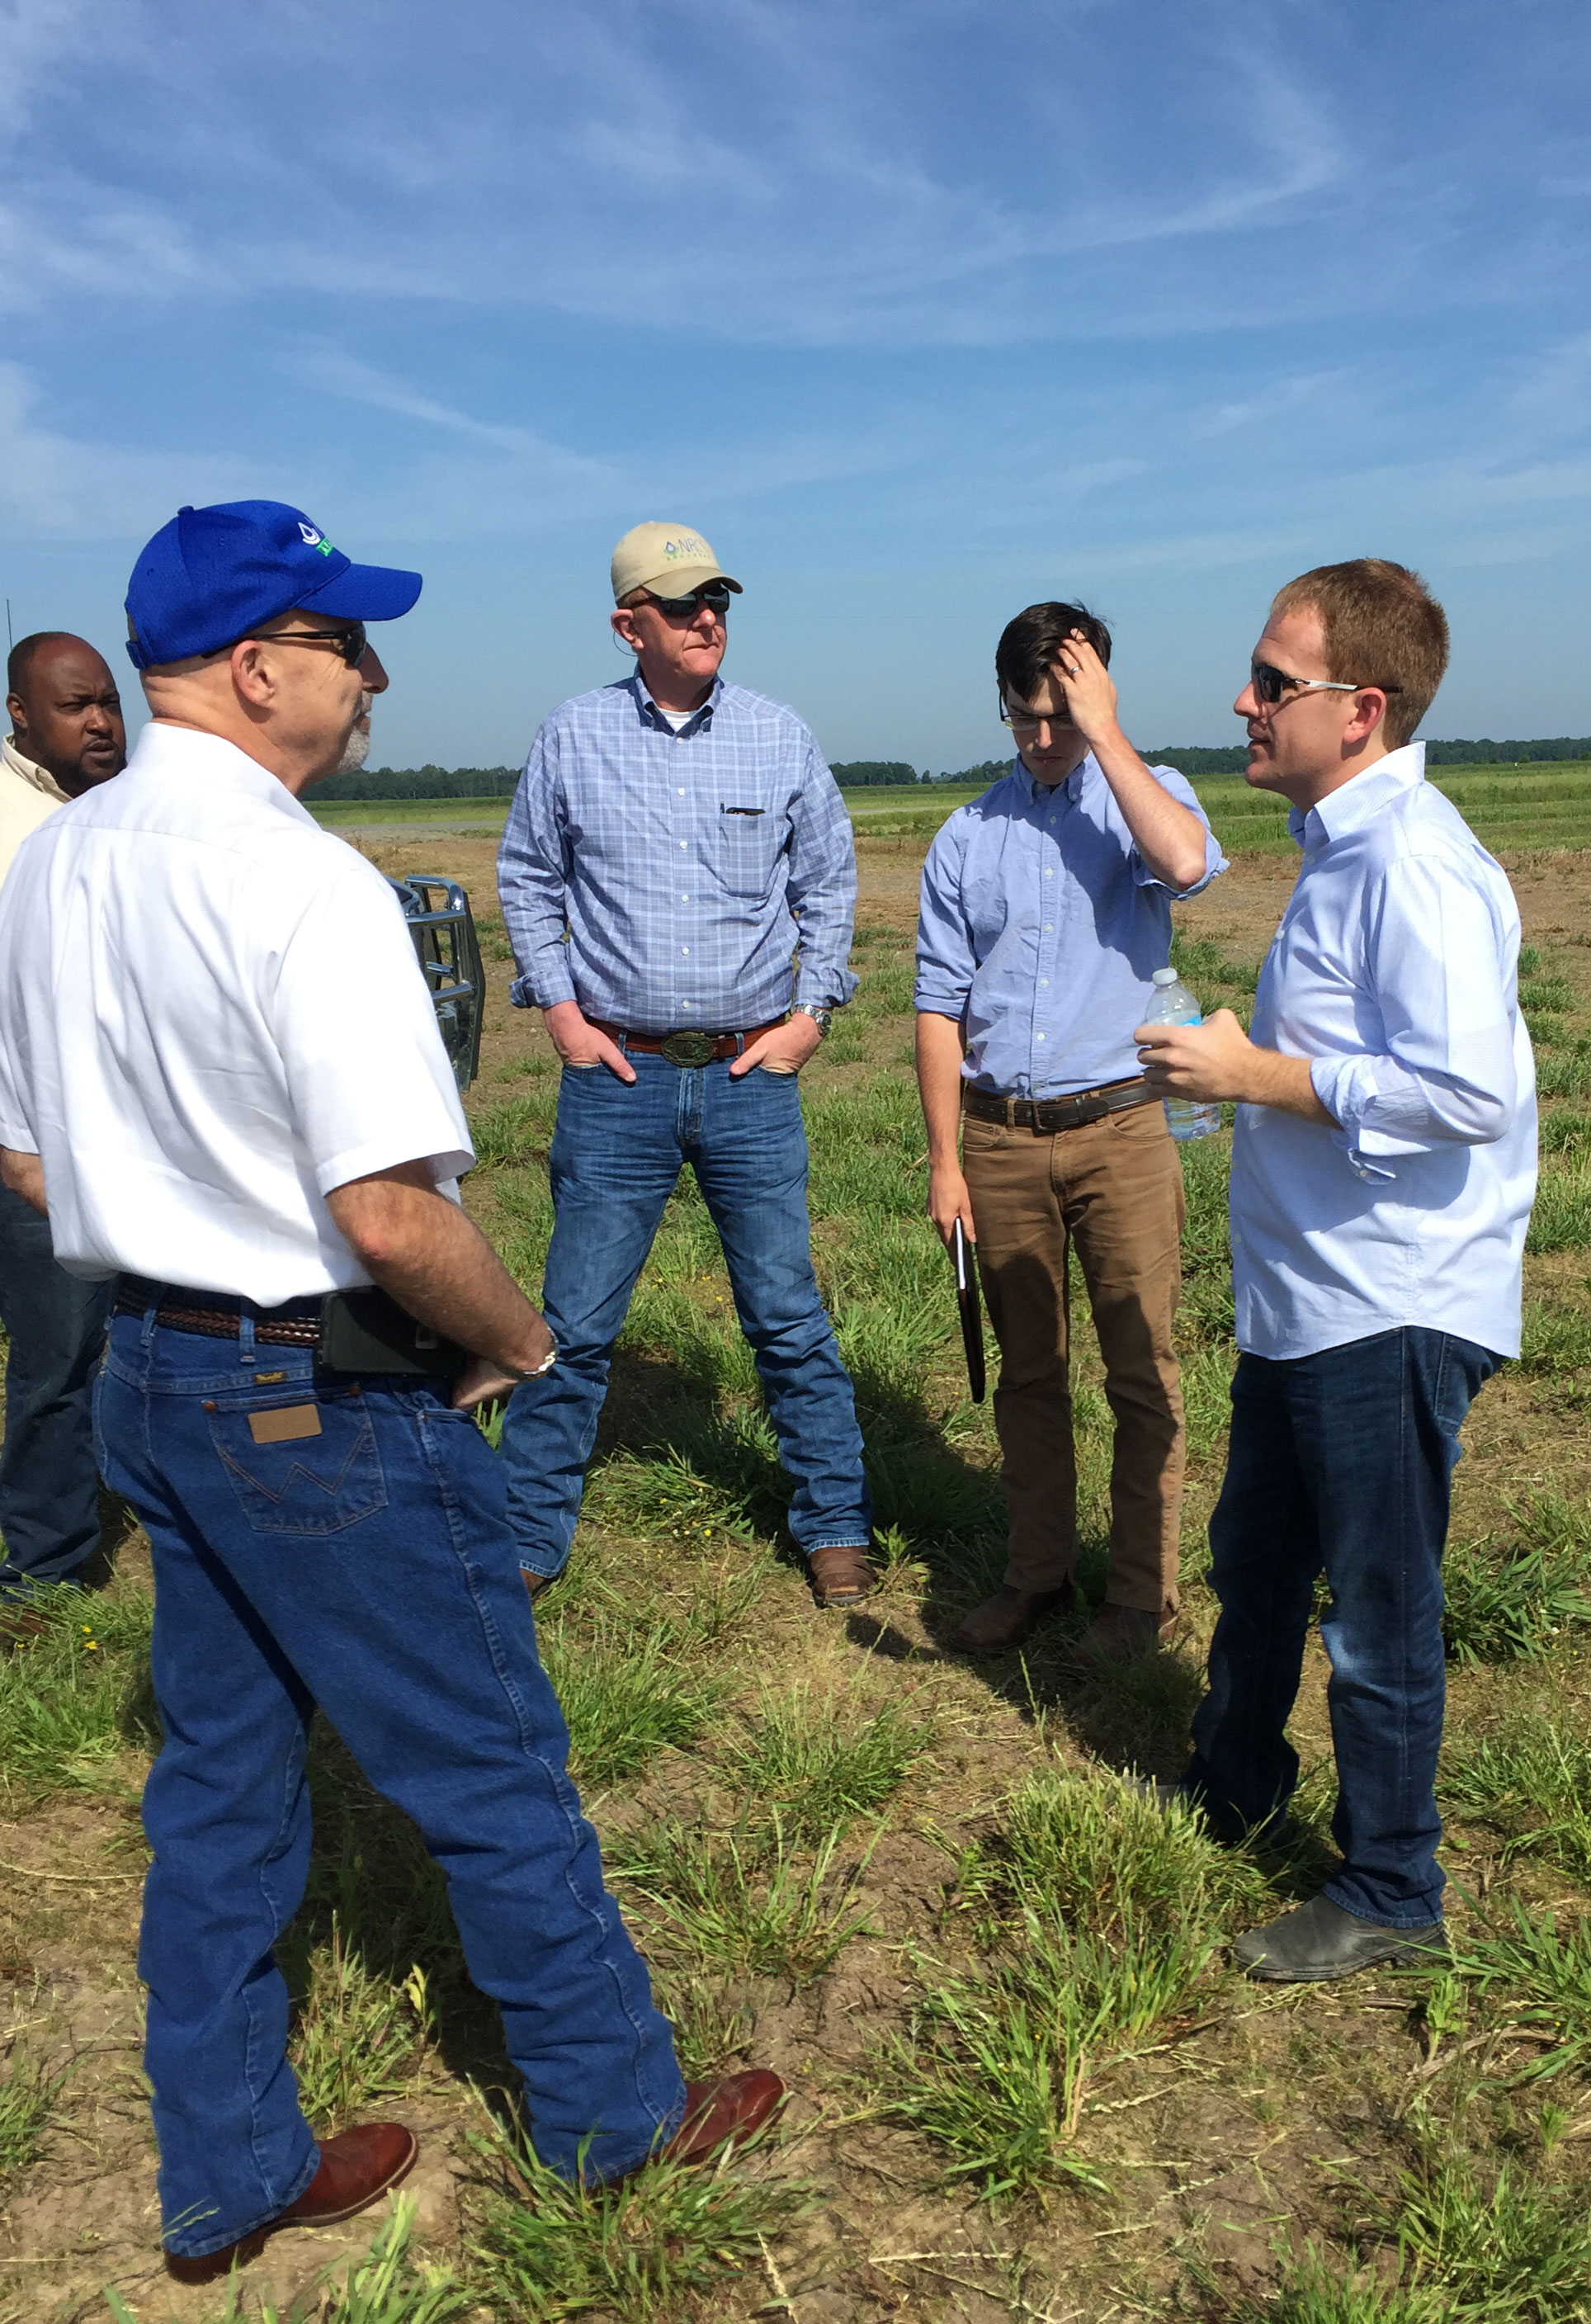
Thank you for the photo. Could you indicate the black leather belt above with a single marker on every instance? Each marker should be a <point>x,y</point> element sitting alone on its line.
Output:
<point>1047,1115</point>
<point>364,1330</point>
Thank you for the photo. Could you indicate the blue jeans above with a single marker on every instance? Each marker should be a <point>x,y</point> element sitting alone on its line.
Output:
<point>48,1485</point>
<point>616,1155</point>
<point>367,1567</point>
<point>1340,1463</point>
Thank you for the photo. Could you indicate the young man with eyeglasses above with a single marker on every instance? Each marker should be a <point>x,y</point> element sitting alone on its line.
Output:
<point>1045,912</point>
<point>1382,1171</point>
<point>676,842</point>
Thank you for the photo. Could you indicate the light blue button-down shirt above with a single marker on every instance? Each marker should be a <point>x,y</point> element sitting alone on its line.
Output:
<point>1041,930</point>
<point>1394,970</point>
<point>655,876</point>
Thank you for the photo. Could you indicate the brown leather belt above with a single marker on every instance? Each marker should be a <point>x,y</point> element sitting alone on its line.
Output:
<point>295,1324</point>
<point>689,1048</point>
<point>1047,1115</point>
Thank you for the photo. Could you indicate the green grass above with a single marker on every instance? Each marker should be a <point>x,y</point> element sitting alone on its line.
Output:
<point>818,1766</point>
<point>389,2285</point>
<point>357,2039</point>
<point>750,1900</point>
<point>1531,1783</point>
<point>1095,1916</point>
<point>1510,1599</point>
<point>1529,1969</point>
<point>652,2250</point>
<point>28,2093</point>
<point>76,1697</point>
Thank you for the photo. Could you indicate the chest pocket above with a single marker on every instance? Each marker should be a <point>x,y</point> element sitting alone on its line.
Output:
<point>747,846</point>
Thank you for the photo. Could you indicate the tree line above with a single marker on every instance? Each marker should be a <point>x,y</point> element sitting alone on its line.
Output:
<point>862,774</point>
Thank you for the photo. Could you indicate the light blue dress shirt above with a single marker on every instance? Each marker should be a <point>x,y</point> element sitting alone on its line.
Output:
<point>654,875</point>
<point>1395,971</point>
<point>1041,927</point>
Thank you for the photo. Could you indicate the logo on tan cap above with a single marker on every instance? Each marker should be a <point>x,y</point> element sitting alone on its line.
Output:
<point>669,559</point>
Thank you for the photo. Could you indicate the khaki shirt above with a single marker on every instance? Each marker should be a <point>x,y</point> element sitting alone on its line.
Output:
<point>27,796</point>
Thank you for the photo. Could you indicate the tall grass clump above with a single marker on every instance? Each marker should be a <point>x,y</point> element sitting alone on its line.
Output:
<point>80,1694</point>
<point>650,2250</point>
<point>28,2092</point>
<point>1531,1783</point>
<point>388,2286</point>
<point>626,1690</point>
<point>817,1766</point>
<point>358,2036</point>
<point>1095,1915</point>
<point>1508,1601</point>
<point>1532,1973</point>
<point>750,1900</point>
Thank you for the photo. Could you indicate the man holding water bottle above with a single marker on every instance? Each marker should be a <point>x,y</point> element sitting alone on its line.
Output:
<point>1046,916</point>
<point>1383,1170</point>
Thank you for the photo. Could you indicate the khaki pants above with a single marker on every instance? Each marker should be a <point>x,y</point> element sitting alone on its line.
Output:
<point>1115,1189</point>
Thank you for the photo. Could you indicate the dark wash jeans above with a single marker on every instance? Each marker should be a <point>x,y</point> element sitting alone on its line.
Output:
<point>1340,1463</point>
<point>49,1484</point>
<point>617,1153</point>
<point>368,1569</point>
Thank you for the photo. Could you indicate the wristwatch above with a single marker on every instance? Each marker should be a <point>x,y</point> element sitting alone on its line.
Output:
<point>822,1018</point>
<point>540,1370</point>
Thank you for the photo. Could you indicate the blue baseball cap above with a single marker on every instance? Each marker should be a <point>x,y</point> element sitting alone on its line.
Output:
<point>213,575</point>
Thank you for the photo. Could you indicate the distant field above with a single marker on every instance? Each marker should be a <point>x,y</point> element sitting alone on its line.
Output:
<point>1509,809</point>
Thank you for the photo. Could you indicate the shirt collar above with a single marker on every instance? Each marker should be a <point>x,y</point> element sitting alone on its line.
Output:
<point>164,747</point>
<point>1071,790</point>
<point>30,772</point>
<point>652,716</point>
<point>1345,809</point>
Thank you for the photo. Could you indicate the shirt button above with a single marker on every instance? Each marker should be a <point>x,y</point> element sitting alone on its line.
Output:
<point>682,790</point>
<point>1048,926</point>
<point>1043,981</point>
<point>1049,872</point>
<point>1038,1037</point>
<point>686,949</point>
<point>684,899</point>
<point>685,842</point>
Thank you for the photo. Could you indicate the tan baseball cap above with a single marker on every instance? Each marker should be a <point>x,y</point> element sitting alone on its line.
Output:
<point>669,559</point>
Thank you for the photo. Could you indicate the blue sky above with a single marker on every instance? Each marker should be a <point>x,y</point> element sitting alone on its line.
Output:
<point>920,311</point>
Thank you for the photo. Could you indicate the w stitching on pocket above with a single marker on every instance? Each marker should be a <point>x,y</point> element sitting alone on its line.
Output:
<point>283,1491</point>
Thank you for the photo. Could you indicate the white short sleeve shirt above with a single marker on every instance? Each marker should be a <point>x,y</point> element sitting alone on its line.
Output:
<point>211,1014</point>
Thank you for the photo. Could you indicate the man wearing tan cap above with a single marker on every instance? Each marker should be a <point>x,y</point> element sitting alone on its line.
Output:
<point>665,834</point>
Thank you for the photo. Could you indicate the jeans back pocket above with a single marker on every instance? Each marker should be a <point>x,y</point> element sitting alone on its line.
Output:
<point>308,1467</point>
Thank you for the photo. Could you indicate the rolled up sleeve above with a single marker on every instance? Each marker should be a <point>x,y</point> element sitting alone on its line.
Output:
<point>1178,787</point>
<point>532,881</point>
<point>945,960</point>
<point>1439,978</point>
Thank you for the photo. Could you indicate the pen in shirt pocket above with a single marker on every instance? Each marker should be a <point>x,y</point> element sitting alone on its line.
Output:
<point>724,809</point>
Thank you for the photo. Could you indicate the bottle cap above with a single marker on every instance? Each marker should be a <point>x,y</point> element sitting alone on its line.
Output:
<point>1164,976</point>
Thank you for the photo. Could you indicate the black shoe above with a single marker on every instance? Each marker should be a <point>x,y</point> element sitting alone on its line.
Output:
<point>1318,1940</point>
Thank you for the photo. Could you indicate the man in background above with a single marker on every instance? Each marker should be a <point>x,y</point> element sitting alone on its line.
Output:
<point>667,834</point>
<point>1045,912</point>
<point>67,735</point>
<point>1382,1171</point>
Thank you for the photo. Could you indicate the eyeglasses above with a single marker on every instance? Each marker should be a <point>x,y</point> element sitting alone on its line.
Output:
<point>1028,722</point>
<point>352,645</point>
<point>1270,684</point>
<point>714,593</point>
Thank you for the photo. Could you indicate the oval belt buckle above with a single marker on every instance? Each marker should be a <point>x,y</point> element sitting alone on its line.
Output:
<point>689,1048</point>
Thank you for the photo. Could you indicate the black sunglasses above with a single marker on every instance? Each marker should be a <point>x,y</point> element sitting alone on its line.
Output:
<point>1270,684</point>
<point>352,644</point>
<point>714,593</point>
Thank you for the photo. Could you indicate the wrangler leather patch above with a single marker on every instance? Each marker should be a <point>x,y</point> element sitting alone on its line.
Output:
<point>283,1425</point>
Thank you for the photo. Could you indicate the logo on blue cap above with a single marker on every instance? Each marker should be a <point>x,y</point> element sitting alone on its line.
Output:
<point>214,574</point>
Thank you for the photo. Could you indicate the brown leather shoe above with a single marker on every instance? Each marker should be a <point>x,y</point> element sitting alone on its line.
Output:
<point>355,2167</point>
<point>841,1576</point>
<point>535,1583</point>
<point>716,2112</point>
<point>1120,1634</point>
<point>19,1624</point>
<point>1004,1621</point>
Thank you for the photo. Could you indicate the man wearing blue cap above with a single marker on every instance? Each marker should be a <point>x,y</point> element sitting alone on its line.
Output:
<point>218,1056</point>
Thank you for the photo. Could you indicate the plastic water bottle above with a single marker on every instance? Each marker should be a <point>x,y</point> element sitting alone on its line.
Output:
<point>1173,1004</point>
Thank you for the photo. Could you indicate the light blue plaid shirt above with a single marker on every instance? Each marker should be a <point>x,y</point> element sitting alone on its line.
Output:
<point>656,877</point>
